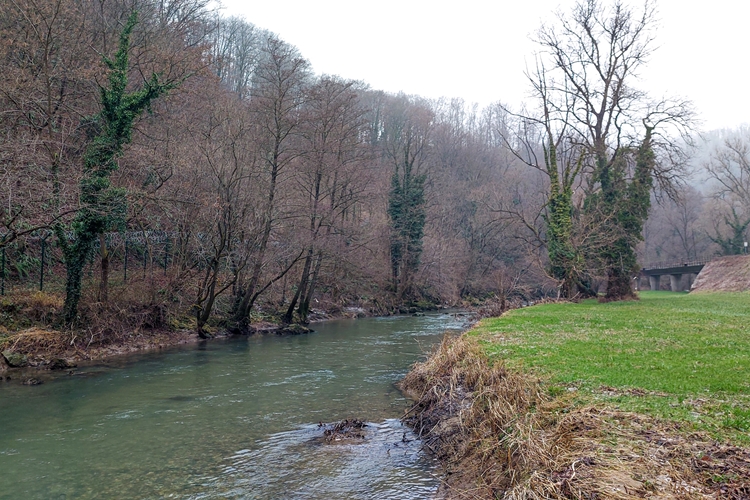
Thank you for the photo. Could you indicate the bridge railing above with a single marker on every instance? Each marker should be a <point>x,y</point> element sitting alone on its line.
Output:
<point>673,264</point>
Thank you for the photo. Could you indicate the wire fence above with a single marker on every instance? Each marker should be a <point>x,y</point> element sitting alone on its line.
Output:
<point>35,262</point>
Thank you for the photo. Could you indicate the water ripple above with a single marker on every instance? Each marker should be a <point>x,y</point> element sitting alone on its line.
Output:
<point>298,464</point>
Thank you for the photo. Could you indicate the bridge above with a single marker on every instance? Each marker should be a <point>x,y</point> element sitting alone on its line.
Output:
<point>676,271</point>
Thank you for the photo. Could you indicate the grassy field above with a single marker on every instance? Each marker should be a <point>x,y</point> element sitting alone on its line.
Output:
<point>680,357</point>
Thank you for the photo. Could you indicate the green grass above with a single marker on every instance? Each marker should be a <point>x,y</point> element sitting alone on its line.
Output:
<point>677,356</point>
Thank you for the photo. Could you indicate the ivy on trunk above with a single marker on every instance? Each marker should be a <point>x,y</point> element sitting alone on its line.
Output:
<point>103,206</point>
<point>406,210</point>
<point>626,206</point>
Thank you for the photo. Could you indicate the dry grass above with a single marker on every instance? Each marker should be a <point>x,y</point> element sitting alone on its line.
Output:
<point>500,435</point>
<point>42,347</point>
<point>134,319</point>
<point>32,307</point>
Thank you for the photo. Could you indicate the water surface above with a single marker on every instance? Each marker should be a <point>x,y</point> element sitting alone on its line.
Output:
<point>226,419</point>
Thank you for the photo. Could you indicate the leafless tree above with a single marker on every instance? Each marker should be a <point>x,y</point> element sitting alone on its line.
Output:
<point>728,168</point>
<point>589,116</point>
<point>331,177</point>
<point>45,91</point>
<point>277,95</point>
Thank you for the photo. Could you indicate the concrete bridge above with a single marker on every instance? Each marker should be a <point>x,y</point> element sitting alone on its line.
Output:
<point>678,272</point>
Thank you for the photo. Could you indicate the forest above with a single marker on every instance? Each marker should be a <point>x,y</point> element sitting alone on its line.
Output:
<point>166,165</point>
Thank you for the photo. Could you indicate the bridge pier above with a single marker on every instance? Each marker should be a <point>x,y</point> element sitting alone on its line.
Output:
<point>681,276</point>
<point>675,280</point>
<point>654,281</point>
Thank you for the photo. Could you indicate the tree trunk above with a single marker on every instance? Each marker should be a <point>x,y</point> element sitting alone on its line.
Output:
<point>204,312</point>
<point>584,288</point>
<point>301,289</point>
<point>104,283</point>
<point>619,285</point>
<point>289,316</point>
<point>404,284</point>
<point>243,309</point>
<point>304,305</point>
<point>73,291</point>
<point>249,296</point>
<point>75,261</point>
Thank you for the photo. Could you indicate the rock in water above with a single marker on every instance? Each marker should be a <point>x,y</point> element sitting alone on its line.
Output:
<point>349,430</point>
<point>294,329</point>
<point>61,364</point>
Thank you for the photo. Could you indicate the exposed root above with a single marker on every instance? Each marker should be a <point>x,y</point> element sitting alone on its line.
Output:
<point>499,435</point>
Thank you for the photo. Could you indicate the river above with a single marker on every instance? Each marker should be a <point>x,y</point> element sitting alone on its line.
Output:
<point>235,418</point>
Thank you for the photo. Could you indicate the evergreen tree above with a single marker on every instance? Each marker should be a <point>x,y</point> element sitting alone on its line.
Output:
<point>102,206</point>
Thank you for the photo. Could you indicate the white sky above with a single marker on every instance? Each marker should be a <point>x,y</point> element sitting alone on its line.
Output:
<point>478,49</point>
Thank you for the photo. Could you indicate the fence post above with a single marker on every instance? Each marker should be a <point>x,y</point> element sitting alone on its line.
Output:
<point>125,265</point>
<point>41,273</point>
<point>2,281</point>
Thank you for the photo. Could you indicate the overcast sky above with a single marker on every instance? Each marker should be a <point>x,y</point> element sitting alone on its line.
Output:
<point>478,50</point>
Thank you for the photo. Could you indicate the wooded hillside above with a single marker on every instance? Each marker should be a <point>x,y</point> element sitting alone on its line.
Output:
<point>249,184</point>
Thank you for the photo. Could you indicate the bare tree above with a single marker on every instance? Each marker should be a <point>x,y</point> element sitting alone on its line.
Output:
<point>728,168</point>
<point>591,122</point>
<point>228,168</point>
<point>276,99</point>
<point>45,91</point>
<point>236,52</point>
<point>331,176</point>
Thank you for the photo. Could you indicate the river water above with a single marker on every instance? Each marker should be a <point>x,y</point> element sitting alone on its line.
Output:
<point>234,418</point>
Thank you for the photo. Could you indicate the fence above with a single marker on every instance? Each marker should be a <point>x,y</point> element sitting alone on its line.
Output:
<point>35,262</point>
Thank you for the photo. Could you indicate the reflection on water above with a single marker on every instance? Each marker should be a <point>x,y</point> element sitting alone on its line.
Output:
<point>226,419</point>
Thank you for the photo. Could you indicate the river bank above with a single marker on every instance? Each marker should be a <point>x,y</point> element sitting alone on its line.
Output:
<point>498,409</point>
<point>47,348</point>
<point>31,341</point>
